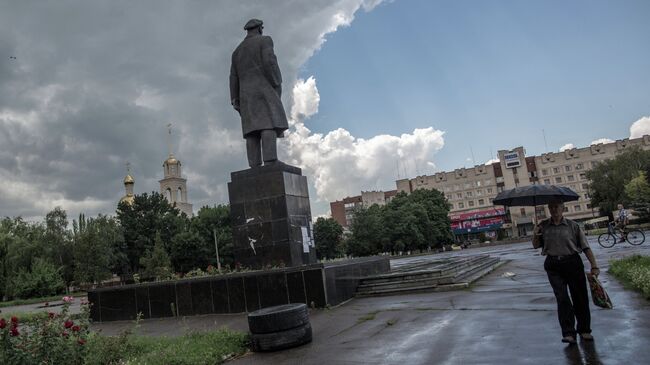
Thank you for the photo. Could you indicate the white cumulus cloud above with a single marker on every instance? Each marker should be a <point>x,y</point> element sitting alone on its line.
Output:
<point>491,161</point>
<point>341,164</point>
<point>640,127</point>
<point>567,146</point>
<point>601,140</point>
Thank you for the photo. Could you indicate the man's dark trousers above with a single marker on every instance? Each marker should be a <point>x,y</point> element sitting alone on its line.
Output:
<point>563,272</point>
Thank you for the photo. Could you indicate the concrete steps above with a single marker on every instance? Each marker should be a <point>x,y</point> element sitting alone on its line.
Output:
<point>451,275</point>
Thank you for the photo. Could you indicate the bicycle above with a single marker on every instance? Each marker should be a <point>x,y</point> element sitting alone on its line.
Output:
<point>634,237</point>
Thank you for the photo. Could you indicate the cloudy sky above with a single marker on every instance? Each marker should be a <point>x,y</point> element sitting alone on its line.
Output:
<point>374,90</point>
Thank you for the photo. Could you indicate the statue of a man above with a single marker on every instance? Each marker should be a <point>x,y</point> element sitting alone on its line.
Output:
<point>255,90</point>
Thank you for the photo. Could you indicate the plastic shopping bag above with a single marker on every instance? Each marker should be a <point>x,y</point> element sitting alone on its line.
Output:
<point>598,293</point>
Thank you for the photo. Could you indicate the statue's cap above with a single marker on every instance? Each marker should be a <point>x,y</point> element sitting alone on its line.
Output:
<point>253,23</point>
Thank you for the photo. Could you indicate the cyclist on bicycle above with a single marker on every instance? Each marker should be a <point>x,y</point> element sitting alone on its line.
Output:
<point>621,221</point>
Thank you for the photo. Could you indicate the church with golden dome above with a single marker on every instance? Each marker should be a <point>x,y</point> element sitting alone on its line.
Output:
<point>173,185</point>
<point>128,186</point>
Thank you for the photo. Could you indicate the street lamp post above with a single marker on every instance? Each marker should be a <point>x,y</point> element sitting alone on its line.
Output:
<point>216,248</point>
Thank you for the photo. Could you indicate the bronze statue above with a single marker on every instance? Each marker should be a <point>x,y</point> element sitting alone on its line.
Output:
<point>255,90</point>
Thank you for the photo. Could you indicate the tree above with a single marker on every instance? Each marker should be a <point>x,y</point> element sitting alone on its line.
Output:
<point>95,243</point>
<point>608,178</point>
<point>437,208</point>
<point>638,194</point>
<point>149,215</point>
<point>57,243</point>
<point>327,236</point>
<point>367,232</point>
<point>156,263</point>
<point>210,219</point>
<point>189,251</point>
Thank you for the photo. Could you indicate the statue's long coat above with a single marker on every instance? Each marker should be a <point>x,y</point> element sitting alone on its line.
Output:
<point>255,81</point>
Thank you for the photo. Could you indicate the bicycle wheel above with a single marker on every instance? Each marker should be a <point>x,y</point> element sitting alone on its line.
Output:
<point>607,240</point>
<point>635,237</point>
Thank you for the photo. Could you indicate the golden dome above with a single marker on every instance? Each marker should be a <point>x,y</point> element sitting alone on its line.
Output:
<point>128,179</point>
<point>171,160</point>
<point>128,199</point>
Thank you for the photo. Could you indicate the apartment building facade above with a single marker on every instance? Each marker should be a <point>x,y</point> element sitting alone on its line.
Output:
<point>343,210</point>
<point>470,191</point>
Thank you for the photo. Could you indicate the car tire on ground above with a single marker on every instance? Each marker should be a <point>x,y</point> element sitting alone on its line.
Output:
<point>278,318</point>
<point>282,339</point>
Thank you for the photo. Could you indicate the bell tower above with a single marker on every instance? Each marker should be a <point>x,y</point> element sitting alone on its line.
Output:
<point>173,186</point>
<point>128,198</point>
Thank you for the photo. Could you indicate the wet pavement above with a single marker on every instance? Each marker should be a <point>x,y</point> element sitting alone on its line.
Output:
<point>502,319</point>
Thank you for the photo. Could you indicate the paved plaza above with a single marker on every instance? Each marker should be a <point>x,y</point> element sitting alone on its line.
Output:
<point>502,319</point>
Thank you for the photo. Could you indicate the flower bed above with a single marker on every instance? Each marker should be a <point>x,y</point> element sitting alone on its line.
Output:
<point>50,338</point>
<point>634,272</point>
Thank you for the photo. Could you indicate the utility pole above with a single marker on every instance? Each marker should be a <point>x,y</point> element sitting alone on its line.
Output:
<point>216,248</point>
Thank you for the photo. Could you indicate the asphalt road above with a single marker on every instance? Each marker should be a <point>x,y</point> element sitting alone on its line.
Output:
<point>499,320</point>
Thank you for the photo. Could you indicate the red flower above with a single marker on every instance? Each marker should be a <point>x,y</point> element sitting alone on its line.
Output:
<point>14,319</point>
<point>68,324</point>
<point>76,328</point>
<point>14,331</point>
<point>64,333</point>
<point>81,341</point>
<point>3,323</point>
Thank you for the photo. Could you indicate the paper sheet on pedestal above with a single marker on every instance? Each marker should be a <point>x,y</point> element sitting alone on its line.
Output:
<point>305,239</point>
<point>312,241</point>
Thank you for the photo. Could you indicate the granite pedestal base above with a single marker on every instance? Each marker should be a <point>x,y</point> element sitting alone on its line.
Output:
<point>318,285</point>
<point>271,217</point>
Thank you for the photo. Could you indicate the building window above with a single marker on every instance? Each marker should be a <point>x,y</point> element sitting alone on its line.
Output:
<point>467,186</point>
<point>522,211</point>
<point>547,181</point>
<point>451,206</point>
<point>576,208</point>
<point>582,176</point>
<point>481,202</point>
<point>499,189</point>
<point>479,192</point>
<point>585,186</point>
<point>459,195</point>
<point>478,183</point>
<point>544,172</point>
<point>593,164</point>
<point>579,166</point>
<point>556,170</point>
<point>461,205</point>
<point>488,182</point>
<point>588,206</point>
<point>470,203</point>
<point>490,200</point>
<point>570,178</point>
<point>489,190</point>
<point>566,209</point>
<point>587,196</point>
<point>468,194</point>
<point>558,179</point>
<point>567,168</point>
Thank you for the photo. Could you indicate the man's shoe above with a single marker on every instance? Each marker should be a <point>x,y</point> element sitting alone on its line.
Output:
<point>569,339</point>
<point>587,336</point>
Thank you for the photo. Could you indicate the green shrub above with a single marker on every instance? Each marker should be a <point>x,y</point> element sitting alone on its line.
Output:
<point>44,279</point>
<point>634,272</point>
<point>45,339</point>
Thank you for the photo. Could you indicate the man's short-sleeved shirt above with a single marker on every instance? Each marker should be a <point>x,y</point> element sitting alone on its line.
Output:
<point>622,214</point>
<point>562,239</point>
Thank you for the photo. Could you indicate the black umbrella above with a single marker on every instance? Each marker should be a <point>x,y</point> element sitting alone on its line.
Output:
<point>533,195</point>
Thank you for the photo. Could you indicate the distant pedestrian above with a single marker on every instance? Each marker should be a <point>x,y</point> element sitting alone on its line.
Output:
<point>562,240</point>
<point>622,220</point>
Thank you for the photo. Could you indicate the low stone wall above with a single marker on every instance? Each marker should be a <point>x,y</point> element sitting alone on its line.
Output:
<point>322,285</point>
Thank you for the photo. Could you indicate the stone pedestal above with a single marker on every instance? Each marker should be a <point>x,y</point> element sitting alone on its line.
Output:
<point>271,217</point>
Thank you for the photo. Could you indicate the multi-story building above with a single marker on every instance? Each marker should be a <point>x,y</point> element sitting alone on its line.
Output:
<point>470,191</point>
<point>343,210</point>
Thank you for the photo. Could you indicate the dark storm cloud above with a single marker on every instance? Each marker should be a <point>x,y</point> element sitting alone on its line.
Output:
<point>93,84</point>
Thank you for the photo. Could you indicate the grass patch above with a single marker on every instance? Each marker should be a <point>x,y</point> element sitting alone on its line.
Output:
<point>203,348</point>
<point>368,317</point>
<point>52,298</point>
<point>634,272</point>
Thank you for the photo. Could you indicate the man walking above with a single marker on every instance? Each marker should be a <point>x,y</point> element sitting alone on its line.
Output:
<point>561,241</point>
<point>255,90</point>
